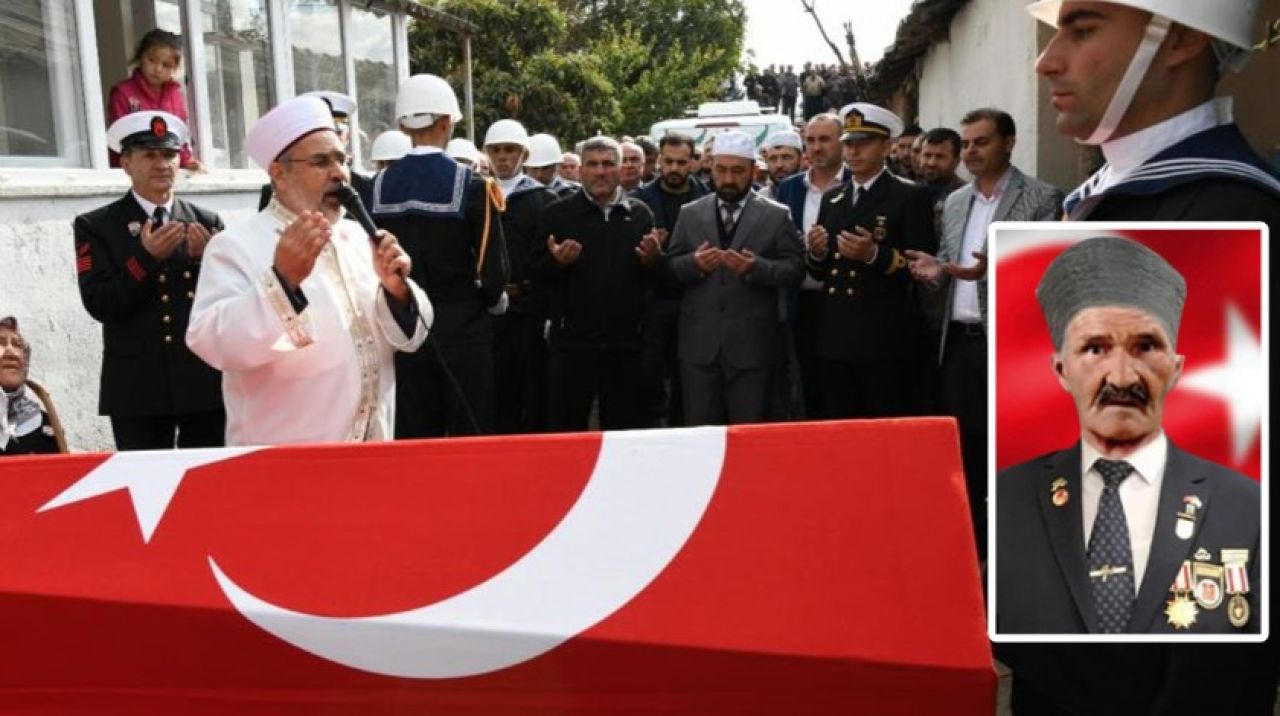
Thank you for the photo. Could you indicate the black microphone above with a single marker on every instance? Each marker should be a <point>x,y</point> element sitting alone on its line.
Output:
<point>355,207</point>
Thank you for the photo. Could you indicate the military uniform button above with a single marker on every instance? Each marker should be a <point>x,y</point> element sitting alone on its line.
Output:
<point>168,339</point>
<point>162,278</point>
<point>848,292</point>
<point>837,255</point>
<point>166,318</point>
<point>164,298</point>
<point>835,272</point>
<point>853,274</point>
<point>831,291</point>
<point>191,294</point>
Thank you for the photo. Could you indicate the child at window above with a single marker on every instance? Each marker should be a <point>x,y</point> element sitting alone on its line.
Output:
<point>152,87</point>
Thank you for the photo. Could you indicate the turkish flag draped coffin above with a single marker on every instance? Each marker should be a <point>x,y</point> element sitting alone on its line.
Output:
<point>1216,409</point>
<point>805,568</point>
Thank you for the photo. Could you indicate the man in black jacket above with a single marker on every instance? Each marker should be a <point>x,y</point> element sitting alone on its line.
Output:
<point>598,256</point>
<point>871,343</point>
<point>138,260</point>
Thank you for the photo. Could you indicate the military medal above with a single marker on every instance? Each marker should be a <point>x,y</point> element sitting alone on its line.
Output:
<point>1186,524</point>
<point>1208,584</point>
<point>880,231</point>
<point>134,228</point>
<point>1181,610</point>
<point>1059,492</point>
<point>1202,555</point>
<point>1237,585</point>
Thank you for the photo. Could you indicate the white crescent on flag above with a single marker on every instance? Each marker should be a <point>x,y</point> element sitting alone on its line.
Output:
<point>647,493</point>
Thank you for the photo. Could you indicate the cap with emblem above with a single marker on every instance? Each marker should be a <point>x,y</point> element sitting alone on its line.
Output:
<point>785,138</point>
<point>288,122</point>
<point>1110,271</point>
<point>734,144</point>
<point>862,120</point>
<point>340,105</point>
<point>146,130</point>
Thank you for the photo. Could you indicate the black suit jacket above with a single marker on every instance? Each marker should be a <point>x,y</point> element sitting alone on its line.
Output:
<point>870,311</point>
<point>143,305</point>
<point>1042,582</point>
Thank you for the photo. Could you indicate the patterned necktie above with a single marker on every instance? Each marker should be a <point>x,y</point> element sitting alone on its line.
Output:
<point>1110,554</point>
<point>730,217</point>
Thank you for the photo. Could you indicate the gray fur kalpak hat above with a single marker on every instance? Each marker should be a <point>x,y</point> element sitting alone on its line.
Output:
<point>1110,271</point>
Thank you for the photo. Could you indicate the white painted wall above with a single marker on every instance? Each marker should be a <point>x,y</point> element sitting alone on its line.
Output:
<point>987,62</point>
<point>38,277</point>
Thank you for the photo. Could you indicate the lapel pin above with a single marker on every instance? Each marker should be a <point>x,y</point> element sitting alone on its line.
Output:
<point>135,227</point>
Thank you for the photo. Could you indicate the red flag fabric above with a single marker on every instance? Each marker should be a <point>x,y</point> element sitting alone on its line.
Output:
<point>1215,410</point>
<point>806,568</point>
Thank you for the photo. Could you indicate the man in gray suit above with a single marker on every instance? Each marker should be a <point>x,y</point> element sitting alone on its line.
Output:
<point>958,277</point>
<point>731,251</point>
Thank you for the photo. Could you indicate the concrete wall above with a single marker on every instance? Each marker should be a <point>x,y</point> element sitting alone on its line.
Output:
<point>38,277</point>
<point>989,60</point>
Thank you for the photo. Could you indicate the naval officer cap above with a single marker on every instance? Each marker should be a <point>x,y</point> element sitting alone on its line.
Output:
<point>1113,272</point>
<point>289,121</point>
<point>786,138</point>
<point>734,143</point>
<point>862,120</point>
<point>146,130</point>
<point>340,105</point>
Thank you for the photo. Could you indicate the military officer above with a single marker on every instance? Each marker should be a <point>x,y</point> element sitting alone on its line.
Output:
<point>871,338</point>
<point>449,220</point>
<point>138,259</point>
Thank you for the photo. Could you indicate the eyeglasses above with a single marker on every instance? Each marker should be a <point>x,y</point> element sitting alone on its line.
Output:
<point>322,161</point>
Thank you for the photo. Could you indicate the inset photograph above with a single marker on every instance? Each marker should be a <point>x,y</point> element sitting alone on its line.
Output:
<point>1129,434</point>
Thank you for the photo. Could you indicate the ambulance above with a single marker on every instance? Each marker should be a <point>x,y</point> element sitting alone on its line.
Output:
<point>714,117</point>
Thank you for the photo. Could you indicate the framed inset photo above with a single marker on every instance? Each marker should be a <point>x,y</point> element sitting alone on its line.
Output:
<point>1128,431</point>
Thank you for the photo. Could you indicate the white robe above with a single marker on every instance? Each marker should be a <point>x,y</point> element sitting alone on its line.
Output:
<point>324,375</point>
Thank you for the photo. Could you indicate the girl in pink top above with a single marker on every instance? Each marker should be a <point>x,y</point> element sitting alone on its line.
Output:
<point>152,87</point>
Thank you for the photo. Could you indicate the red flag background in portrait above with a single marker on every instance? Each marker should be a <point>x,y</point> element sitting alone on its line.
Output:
<point>1214,412</point>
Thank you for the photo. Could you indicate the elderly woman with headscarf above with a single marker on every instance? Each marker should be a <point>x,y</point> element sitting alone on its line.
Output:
<point>28,423</point>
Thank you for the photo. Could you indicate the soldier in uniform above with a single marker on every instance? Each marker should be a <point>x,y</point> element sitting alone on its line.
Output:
<point>343,109</point>
<point>449,220</point>
<point>871,341</point>
<point>138,260</point>
<point>520,352</point>
<point>543,165</point>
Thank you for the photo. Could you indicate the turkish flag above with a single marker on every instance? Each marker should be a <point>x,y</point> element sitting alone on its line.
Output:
<point>805,568</point>
<point>1214,411</point>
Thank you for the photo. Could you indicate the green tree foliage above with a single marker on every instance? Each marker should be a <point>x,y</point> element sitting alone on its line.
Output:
<point>578,67</point>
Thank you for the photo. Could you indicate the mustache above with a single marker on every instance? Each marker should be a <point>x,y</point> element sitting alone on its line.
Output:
<point>334,191</point>
<point>1131,395</point>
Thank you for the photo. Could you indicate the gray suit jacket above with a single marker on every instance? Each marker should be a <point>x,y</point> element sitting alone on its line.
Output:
<point>720,311</point>
<point>1025,199</point>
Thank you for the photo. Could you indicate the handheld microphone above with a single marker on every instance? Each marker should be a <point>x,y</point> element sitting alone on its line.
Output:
<point>355,207</point>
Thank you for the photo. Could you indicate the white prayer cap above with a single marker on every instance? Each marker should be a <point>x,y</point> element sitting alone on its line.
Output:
<point>785,138</point>
<point>734,144</point>
<point>863,120</point>
<point>340,105</point>
<point>288,122</point>
<point>150,130</point>
<point>459,148</point>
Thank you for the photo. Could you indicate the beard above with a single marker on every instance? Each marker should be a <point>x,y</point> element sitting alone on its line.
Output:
<point>731,194</point>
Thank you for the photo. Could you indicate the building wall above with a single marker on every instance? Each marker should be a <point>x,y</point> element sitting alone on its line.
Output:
<point>38,280</point>
<point>989,60</point>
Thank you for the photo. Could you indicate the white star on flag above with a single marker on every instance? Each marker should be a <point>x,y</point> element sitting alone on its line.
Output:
<point>1237,381</point>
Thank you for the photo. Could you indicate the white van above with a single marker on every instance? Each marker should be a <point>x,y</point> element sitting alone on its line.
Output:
<point>715,117</point>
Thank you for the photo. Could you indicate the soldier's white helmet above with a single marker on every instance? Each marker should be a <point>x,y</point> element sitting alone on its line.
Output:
<point>389,146</point>
<point>506,131</point>
<point>544,151</point>
<point>1230,21</point>
<point>460,148</point>
<point>422,99</point>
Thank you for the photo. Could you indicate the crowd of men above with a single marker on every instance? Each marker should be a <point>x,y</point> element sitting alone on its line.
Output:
<point>818,88</point>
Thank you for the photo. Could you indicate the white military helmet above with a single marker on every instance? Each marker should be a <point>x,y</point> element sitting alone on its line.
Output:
<point>1228,20</point>
<point>544,151</point>
<point>422,99</point>
<point>460,148</point>
<point>390,146</point>
<point>506,131</point>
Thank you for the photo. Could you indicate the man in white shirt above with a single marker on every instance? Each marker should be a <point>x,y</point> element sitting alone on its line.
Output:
<point>1123,532</point>
<point>297,307</point>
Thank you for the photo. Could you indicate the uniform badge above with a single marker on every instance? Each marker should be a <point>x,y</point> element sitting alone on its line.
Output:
<point>836,199</point>
<point>1202,555</point>
<point>1186,522</point>
<point>1208,585</point>
<point>1236,576</point>
<point>1058,491</point>
<point>135,227</point>
<point>881,229</point>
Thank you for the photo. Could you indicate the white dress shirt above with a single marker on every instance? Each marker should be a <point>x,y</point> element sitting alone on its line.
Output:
<point>1139,495</point>
<point>151,208</point>
<point>1131,151</point>
<point>965,306</point>
<point>812,205</point>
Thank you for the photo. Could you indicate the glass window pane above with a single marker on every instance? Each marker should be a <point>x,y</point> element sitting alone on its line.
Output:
<point>42,120</point>
<point>374,54</point>
<point>315,36</point>
<point>238,61</point>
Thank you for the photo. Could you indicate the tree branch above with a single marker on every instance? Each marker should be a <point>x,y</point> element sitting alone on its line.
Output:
<point>808,7</point>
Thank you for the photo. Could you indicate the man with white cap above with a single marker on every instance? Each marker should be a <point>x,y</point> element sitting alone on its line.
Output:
<point>732,252</point>
<point>1138,77</point>
<point>450,221</point>
<point>1124,532</point>
<point>343,109</point>
<point>519,350</point>
<point>871,343</point>
<point>783,152</point>
<point>297,307</point>
<point>138,260</point>
<point>543,165</point>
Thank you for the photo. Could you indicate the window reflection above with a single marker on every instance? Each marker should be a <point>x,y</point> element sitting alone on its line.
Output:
<point>239,74</point>
<point>41,108</point>
<point>373,51</point>
<point>315,37</point>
